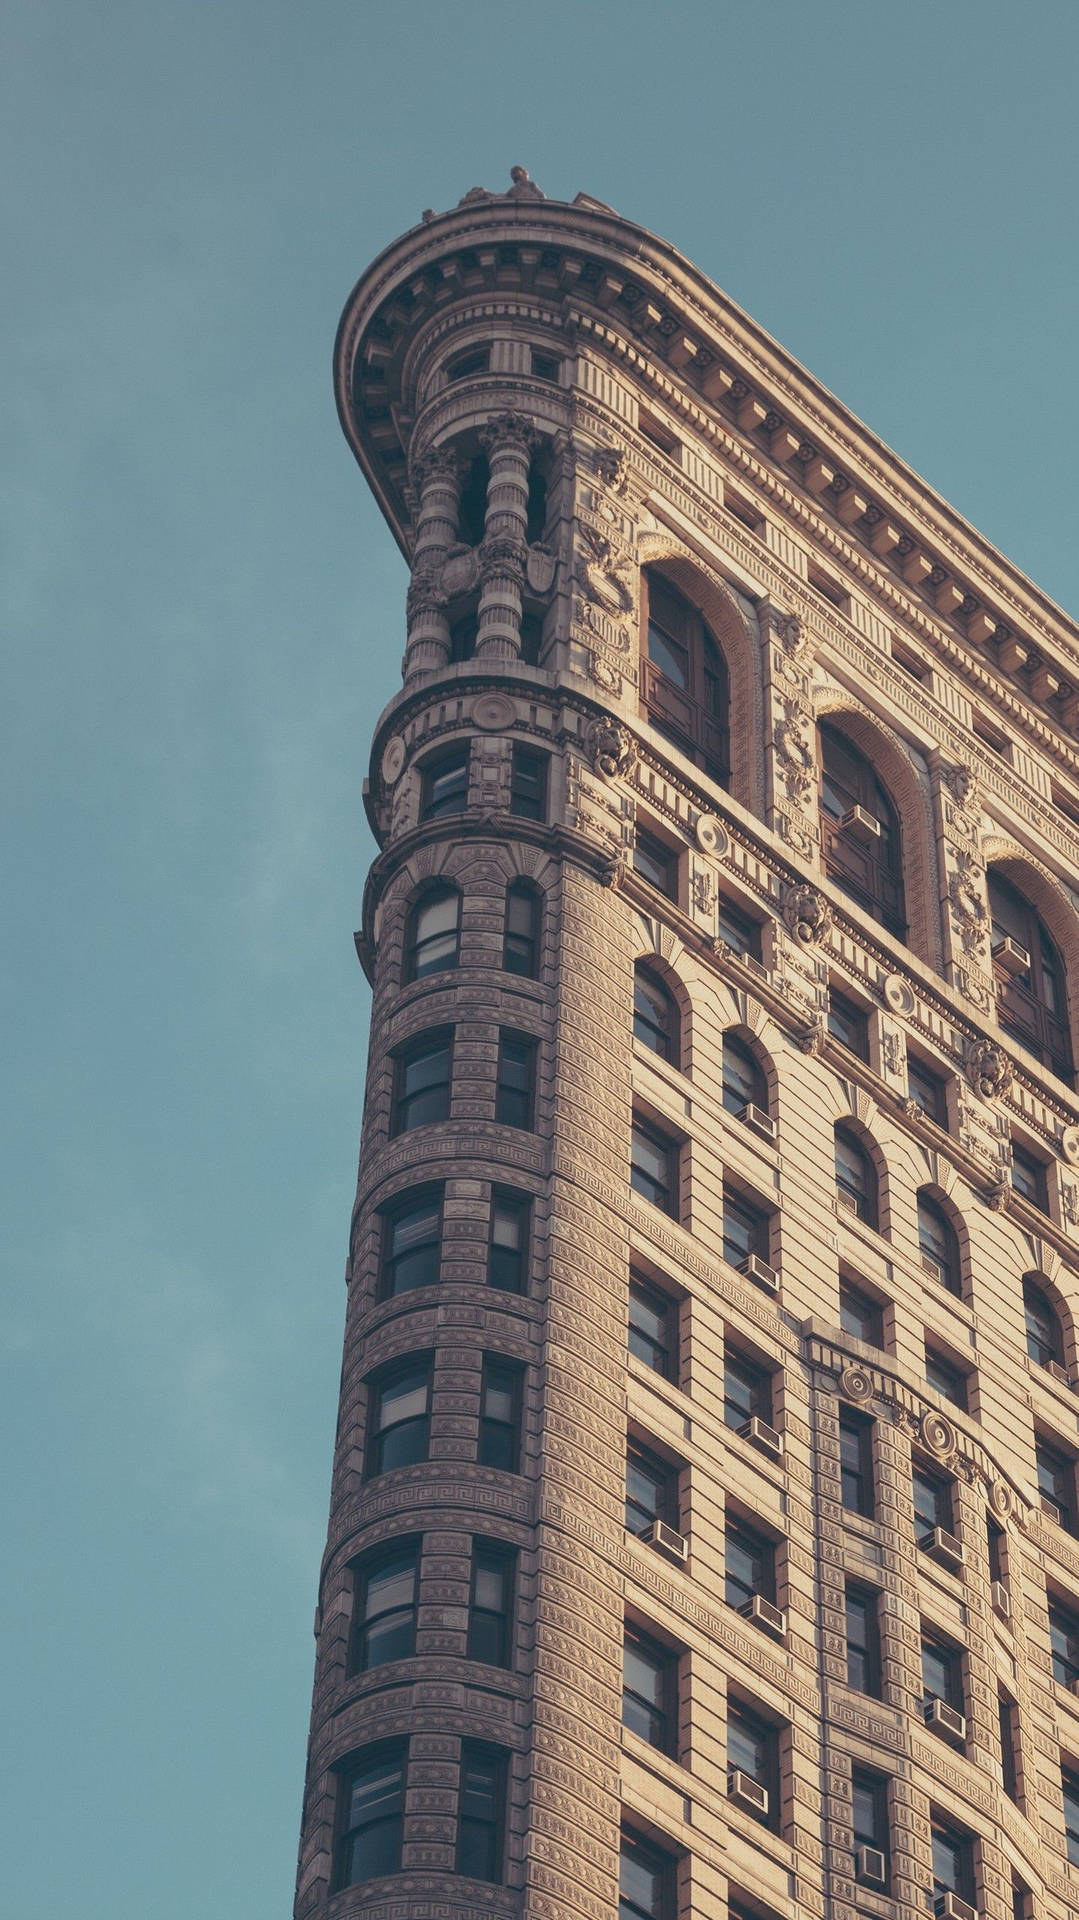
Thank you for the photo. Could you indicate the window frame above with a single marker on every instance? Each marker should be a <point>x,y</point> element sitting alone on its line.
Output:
<point>645,1129</point>
<point>1025,998</point>
<point>873,1788</point>
<point>733,1096</point>
<point>934,1108</point>
<point>1035,1174</point>
<point>475,1753</point>
<point>529,782</point>
<point>1050,1352</point>
<point>509,1203</point>
<point>370,1760</point>
<point>376,1430</point>
<point>413,1202</point>
<point>516,1100</point>
<point>1065,1625</point>
<point>938,1242</point>
<point>692,712</point>
<point>456,761</point>
<point>491,1424</point>
<point>848,1024</point>
<point>865,1206</point>
<point>766,1733</point>
<point>646,1293</point>
<point>529,943</point>
<point>364,1570</point>
<point>962,1843</point>
<point>664,1476</point>
<point>663,1663</point>
<point>432,1043</point>
<point>667,1030</point>
<point>947,1378</point>
<point>431,896</point>
<point>760,1382</point>
<point>748,940</point>
<point>866,1648</point>
<point>755,1217</point>
<point>934,1647</point>
<point>936,1491</point>
<point>759,1552</point>
<point>656,1860</point>
<point>857,1429</point>
<point>857,1304</point>
<point>869,873</point>
<point>662,863</point>
<point>490,1555</point>
<point>1052,1456</point>
<point>1069,1794</point>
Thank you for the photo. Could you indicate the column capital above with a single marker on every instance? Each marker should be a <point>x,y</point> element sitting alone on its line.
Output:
<point>435,464</point>
<point>505,430</point>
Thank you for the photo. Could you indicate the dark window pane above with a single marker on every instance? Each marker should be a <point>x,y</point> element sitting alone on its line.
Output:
<point>747,1391</point>
<point>372,1793</point>
<point>948,1380</point>
<point>1030,977</point>
<point>744,1084</point>
<point>927,1091</point>
<point>655,1016</point>
<point>412,1244</point>
<point>479,1827</point>
<point>1045,1343</point>
<point>938,1244</point>
<point>655,863</point>
<point>500,1415</point>
<point>1029,1178</point>
<point>445,784</point>
<point>508,1251</point>
<point>1070,1789</point>
<point>753,1748</point>
<point>855,1177</point>
<point>749,1566</point>
<point>384,1627</point>
<point>650,1327</point>
<point>863,1642</point>
<point>745,1230</point>
<point>860,832</point>
<point>650,1490</point>
<point>932,1502</point>
<point>860,1315</point>
<point>652,1167</point>
<point>433,934</point>
<point>848,1024</point>
<point>941,1674</point>
<point>423,1082</point>
<point>520,949</point>
<point>1056,1481</point>
<point>491,1610</point>
<point>515,1092</point>
<point>856,1464</point>
<point>738,931</point>
<point>644,1881</point>
<point>647,1690</point>
<point>399,1418</point>
<point>953,1862</point>
<point>1064,1640</point>
<point>528,785</point>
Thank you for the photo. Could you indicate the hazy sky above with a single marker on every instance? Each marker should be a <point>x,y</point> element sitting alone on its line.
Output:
<point>202,614</point>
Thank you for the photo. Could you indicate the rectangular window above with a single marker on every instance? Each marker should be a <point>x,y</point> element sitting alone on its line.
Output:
<point>653,1167</point>
<point>860,1315</point>
<point>1008,1721</point>
<point>649,1690</point>
<point>1029,1178</point>
<point>520,940</point>
<point>863,1641</point>
<point>651,1490</point>
<point>856,1463</point>
<point>746,1229</point>
<point>500,1415</point>
<point>371,1804</point>
<point>656,863</point>
<point>927,1090</point>
<point>953,1860</point>
<point>412,1243</point>
<point>947,1378</point>
<point>490,1609</point>
<point>481,1812</point>
<point>528,784</point>
<point>545,366</point>
<point>399,1404</point>
<point>515,1092</point>
<point>445,784</point>
<point>848,1024</point>
<point>739,931</point>
<point>869,1819</point>
<point>384,1607</point>
<point>1069,1783</point>
<point>653,1327</point>
<point>753,1750</point>
<point>646,1880</point>
<point>932,1503</point>
<point>507,1252</point>
<point>472,360</point>
<point>749,1565</point>
<point>1056,1483</point>
<point>422,1073</point>
<point>1064,1640</point>
<point>942,1673</point>
<point>747,1390</point>
<point>995,1548</point>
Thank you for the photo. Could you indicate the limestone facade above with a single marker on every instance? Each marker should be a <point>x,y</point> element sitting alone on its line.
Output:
<point>724,942</point>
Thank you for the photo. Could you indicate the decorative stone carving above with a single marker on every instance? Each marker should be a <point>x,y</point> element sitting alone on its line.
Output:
<point>988,1069</point>
<point>962,783</point>
<point>540,566</point>
<point>524,187</point>
<point>604,674</point>
<point>493,712</point>
<point>806,913</point>
<point>426,593</point>
<point>937,1434</point>
<point>393,759</point>
<point>999,1193</point>
<point>811,1037</point>
<point>1069,1202</point>
<point>794,745</point>
<point>710,835</point>
<point>791,632</point>
<point>1069,1144</point>
<point>612,870</point>
<point>893,1052</point>
<point>503,428</point>
<point>704,890</point>
<point>611,465</point>
<point>460,571</point>
<point>601,577</point>
<point>612,748</point>
<point>856,1383</point>
<point>898,994</point>
<point>970,915</point>
<point>1001,1498</point>
<point>501,555</point>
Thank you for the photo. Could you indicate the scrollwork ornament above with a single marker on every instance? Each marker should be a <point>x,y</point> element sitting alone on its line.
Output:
<point>892,1051</point>
<point>856,1383</point>
<point>793,738</point>
<point>604,675</point>
<point>704,891</point>
<point>1001,1499</point>
<point>1069,1144</point>
<point>806,914</point>
<point>612,748</point>
<point>426,594</point>
<point>937,1434</point>
<point>965,897</point>
<point>602,578</point>
<point>1069,1202</point>
<point>989,1070</point>
<point>438,463</point>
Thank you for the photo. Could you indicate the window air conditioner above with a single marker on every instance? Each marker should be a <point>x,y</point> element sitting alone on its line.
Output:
<point>933,1268</point>
<point>1056,1371</point>
<point>870,1867</point>
<point>1050,1508</point>
<point>760,1272</point>
<point>763,1436</point>
<point>760,1121</point>
<point>948,1906</point>
<point>1002,1600</point>
<point>666,1540</point>
<point>944,1546</point>
<point>944,1719</point>
<point>1010,955</point>
<point>769,1618</point>
<point>859,824</point>
<point>746,1792</point>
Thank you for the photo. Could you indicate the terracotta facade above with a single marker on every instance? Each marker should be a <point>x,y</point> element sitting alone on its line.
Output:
<point>708,699</point>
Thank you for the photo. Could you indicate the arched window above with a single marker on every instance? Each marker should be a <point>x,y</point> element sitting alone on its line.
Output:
<point>685,690</point>
<point>860,835</point>
<point>655,1015</point>
<point>520,940</point>
<point>432,938</point>
<point>939,1244</point>
<point>744,1081</point>
<point>855,1178</point>
<point>1045,1335</point>
<point>1032,997</point>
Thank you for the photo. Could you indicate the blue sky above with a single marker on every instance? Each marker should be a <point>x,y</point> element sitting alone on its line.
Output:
<point>201,615</point>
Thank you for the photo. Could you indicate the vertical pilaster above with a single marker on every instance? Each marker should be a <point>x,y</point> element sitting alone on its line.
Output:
<point>508,441</point>
<point>436,478</point>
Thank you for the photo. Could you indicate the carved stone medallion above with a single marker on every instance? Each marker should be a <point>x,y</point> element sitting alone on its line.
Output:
<point>393,759</point>
<point>807,914</point>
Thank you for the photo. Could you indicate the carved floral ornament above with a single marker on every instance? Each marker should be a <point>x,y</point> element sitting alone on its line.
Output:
<point>967,901</point>
<point>612,748</point>
<point>505,430</point>
<point>806,913</point>
<point>794,744</point>
<point>988,1069</point>
<point>608,582</point>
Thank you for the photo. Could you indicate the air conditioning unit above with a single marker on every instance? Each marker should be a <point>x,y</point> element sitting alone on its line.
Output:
<point>859,824</point>
<point>769,1618</point>
<point>666,1540</point>
<point>1002,1600</point>
<point>933,1268</point>
<point>763,1436</point>
<point>1056,1372</point>
<point>870,1867</point>
<point>747,1793</point>
<point>846,1200</point>
<point>760,1272</point>
<point>1050,1508</point>
<point>948,1906</point>
<point>944,1719</point>
<point>945,1547</point>
<point>760,1121</point>
<point>745,959</point>
<point>1011,955</point>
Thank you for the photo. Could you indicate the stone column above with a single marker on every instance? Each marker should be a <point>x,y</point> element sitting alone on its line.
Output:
<point>436,478</point>
<point>508,441</point>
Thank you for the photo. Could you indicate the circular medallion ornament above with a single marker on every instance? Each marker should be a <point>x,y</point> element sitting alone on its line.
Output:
<point>937,1435</point>
<point>393,759</point>
<point>1069,1145</point>
<point>492,712</point>
<point>855,1383</point>
<point>1000,1499</point>
<point>711,837</point>
<point>899,994</point>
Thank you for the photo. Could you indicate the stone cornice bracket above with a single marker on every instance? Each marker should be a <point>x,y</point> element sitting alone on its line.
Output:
<point>988,1069</point>
<point>806,914</point>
